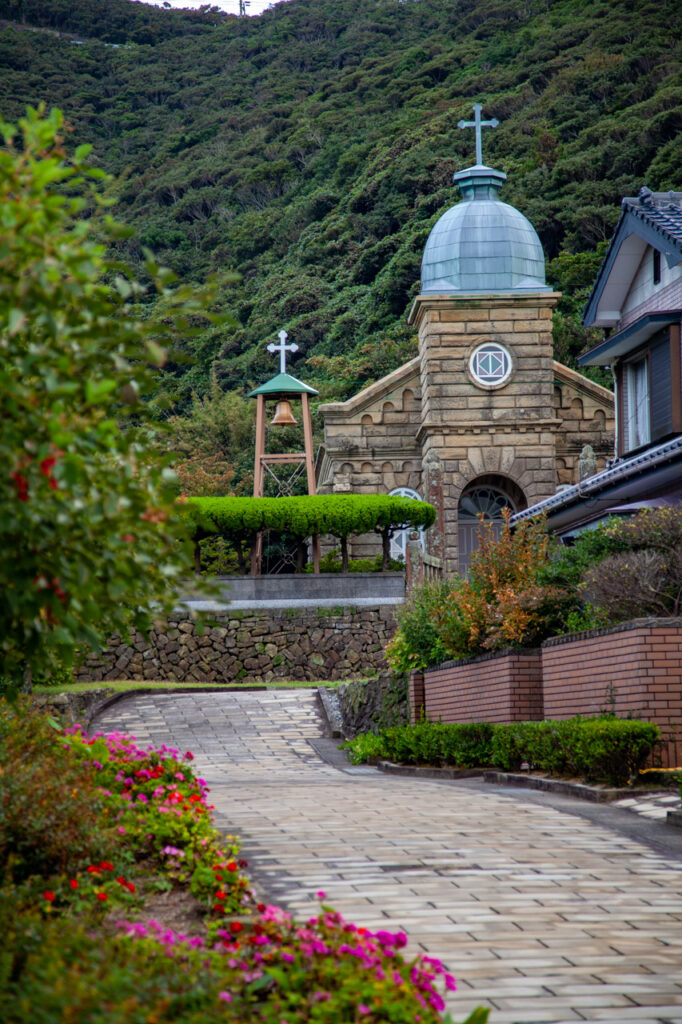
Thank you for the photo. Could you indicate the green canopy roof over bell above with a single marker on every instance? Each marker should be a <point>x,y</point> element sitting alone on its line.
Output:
<point>283,386</point>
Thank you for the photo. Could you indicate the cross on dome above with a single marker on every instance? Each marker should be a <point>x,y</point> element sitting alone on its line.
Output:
<point>478,124</point>
<point>283,348</point>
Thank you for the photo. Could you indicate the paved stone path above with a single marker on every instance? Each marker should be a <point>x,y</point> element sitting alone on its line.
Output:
<point>541,914</point>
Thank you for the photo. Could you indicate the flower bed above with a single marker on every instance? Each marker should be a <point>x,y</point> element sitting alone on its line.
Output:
<point>91,828</point>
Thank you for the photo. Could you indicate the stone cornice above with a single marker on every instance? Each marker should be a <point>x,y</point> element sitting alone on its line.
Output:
<point>374,393</point>
<point>514,300</point>
<point>568,376</point>
<point>519,426</point>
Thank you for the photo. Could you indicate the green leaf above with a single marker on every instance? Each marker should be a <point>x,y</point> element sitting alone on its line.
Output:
<point>96,390</point>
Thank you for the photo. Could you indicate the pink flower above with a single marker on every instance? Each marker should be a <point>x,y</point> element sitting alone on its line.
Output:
<point>321,894</point>
<point>288,958</point>
<point>362,1008</point>
<point>225,996</point>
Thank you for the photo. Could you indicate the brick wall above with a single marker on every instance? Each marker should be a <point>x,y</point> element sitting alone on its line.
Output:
<point>492,688</point>
<point>633,670</point>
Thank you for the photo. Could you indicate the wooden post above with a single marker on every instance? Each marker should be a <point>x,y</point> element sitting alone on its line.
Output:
<point>310,468</point>
<point>260,448</point>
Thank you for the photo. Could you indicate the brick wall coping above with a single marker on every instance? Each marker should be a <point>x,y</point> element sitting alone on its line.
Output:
<point>622,627</point>
<point>488,656</point>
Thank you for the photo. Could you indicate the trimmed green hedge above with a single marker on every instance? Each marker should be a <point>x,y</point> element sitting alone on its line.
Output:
<point>340,515</point>
<point>608,750</point>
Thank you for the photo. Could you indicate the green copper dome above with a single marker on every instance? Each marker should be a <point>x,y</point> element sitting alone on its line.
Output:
<point>482,244</point>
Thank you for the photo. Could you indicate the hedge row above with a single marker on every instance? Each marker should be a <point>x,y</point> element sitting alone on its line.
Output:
<point>608,750</point>
<point>340,515</point>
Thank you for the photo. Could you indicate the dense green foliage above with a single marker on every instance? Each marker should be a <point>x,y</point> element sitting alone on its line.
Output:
<point>523,588</point>
<point>339,515</point>
<point>503,602</point>
<point>605,749</point>
<point>311,149</point>
<point>88,541</point>
<point>92,830</point>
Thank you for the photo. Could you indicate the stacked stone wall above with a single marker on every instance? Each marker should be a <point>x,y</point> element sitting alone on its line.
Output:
<point>263,646</point>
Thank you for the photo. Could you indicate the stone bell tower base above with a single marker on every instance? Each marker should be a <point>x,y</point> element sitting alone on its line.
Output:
<point>501,434</point>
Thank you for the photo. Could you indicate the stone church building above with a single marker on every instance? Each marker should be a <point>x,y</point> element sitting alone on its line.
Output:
<point>483,418</point>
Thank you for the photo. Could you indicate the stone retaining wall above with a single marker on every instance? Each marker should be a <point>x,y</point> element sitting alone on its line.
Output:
<point>253,647</point>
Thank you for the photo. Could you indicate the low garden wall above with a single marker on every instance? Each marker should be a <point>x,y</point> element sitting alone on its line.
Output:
<point>504,687</point>
<point>256,646</point>
<point>633,671</point>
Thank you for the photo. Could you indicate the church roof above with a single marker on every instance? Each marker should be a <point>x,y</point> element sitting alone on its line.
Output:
<point>651,218</point>
<point>282,385</point>
<point>482,244</point>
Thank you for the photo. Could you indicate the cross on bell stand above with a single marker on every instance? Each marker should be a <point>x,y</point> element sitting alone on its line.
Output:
<point>282,389</point>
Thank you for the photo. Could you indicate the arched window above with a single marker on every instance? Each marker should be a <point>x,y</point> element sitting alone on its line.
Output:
<point>483,501</point>
<point>400,537</point>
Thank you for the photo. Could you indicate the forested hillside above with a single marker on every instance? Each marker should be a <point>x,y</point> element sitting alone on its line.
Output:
<point>311,149</point>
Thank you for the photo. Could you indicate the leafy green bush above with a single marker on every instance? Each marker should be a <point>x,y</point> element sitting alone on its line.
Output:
<point>417,643</point>
<point>331,562</point>
<point>81,796</point>
<point>604,749</point>
<point>89,544</point>
<point>48,807</point>
<point>340,515</point>
<point>644,575</point>
<point>465,745</point>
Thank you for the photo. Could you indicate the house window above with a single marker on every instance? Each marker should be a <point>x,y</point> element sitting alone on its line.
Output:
<point>637,393</point>
<point>656,265</point>
<point>490,364</point>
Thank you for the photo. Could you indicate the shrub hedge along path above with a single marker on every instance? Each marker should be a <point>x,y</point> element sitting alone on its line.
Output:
<point>541,914</point>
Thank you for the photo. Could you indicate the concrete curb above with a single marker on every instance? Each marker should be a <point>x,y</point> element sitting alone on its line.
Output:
<point>579,790</point>
<point>331,712</point>
<point>425,772</point>
<point>674,818</point>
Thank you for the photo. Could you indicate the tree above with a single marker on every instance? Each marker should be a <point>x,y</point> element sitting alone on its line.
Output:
<point>88,542</point>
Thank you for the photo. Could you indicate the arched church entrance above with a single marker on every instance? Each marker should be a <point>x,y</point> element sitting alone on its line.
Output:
<point>400,537</point>
<point>483,501</point>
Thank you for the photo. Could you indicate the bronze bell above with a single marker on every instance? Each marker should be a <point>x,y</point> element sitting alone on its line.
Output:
<point>284,416</point>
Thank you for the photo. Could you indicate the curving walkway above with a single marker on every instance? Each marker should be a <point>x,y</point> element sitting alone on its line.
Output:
<point>542,914</point>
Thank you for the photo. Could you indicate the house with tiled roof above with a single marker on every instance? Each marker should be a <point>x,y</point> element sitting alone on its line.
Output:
<point>637,300</point>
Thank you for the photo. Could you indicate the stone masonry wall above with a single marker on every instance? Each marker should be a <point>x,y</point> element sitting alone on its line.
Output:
<point>253,647</point>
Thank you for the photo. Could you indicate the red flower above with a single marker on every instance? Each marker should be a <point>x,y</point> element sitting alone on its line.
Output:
<point>106,865</point>
<point>236,926</point>
<point>102,896</point>
<point>231,866</point>
<point>130,887</point>
<point>243,863</point>
<point>49,896</point>
<point>260,908</point>
<point>92,870</point>
<point>21,484</point>
<point>189,756</point>
<point>73,883</point>
<point>220,895</point>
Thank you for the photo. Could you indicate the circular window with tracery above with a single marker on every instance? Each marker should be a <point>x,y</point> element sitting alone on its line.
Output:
<point>490,364</point>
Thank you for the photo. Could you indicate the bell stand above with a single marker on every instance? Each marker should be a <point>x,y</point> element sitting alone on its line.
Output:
<point>282,387</point>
